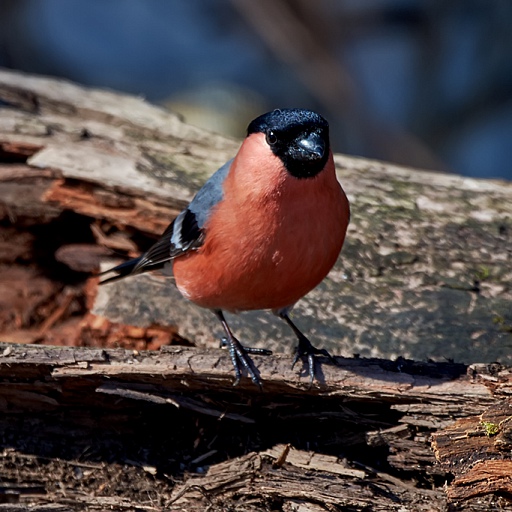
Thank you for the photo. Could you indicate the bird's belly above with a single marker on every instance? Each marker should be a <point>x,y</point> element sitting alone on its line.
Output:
<point>267,270</point>
<point>258,286</point>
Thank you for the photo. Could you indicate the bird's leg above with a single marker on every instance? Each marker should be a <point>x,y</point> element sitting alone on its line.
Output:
<point>238,353</point>
<point>250,350</point>
<point>305,348</point>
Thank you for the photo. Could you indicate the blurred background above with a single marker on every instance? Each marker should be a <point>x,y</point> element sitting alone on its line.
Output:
<point>426,83</point>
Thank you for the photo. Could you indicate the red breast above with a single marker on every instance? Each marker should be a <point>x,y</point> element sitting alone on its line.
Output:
<point>272,238</point>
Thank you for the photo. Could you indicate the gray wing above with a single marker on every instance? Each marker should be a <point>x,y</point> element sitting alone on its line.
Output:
<point>185,233</point>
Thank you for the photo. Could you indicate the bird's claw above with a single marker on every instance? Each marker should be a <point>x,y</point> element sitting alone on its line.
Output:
<point>306,349</point>
<point>239,357</point>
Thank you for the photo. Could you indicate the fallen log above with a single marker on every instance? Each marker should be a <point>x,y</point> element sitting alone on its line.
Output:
<point>364,423</point>
<point>88,175</point>
<point>424,273</point>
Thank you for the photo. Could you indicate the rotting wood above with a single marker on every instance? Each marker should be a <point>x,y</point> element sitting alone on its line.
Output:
<point>390,408</point>
<point>399,383</point>
<point>253,476</point>
<point>477,451</point>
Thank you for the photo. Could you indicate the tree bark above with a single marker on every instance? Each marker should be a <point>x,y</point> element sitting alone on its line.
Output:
<point>425,271</point>
<point>89,175</point>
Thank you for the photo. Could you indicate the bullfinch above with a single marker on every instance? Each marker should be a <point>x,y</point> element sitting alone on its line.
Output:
<point>262,232</point>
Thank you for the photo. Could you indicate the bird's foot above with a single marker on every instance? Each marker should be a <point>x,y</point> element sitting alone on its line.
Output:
<point>307,350</point>
<point>240,359</point>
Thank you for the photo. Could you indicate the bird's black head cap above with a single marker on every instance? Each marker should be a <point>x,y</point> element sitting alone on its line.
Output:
<point>300,138</point>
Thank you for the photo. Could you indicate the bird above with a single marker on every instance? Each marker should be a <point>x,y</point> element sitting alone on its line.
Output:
<point>263,231</point>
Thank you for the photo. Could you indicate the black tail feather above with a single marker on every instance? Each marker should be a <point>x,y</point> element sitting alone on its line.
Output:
<point>122,270</point>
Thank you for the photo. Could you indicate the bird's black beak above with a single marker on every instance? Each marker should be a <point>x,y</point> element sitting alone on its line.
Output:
<point>311,147</point>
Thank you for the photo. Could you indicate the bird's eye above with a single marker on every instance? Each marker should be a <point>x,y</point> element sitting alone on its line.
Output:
<point>271,138</point>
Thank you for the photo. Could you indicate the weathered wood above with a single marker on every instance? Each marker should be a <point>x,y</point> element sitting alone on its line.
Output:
<point>390,408</point>
<point>254,477</point>
<point>404,383</point>
<point>477,451</point>
<point>425,271</point>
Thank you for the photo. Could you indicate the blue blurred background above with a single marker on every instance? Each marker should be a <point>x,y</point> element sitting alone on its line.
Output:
<point>422,83</point>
